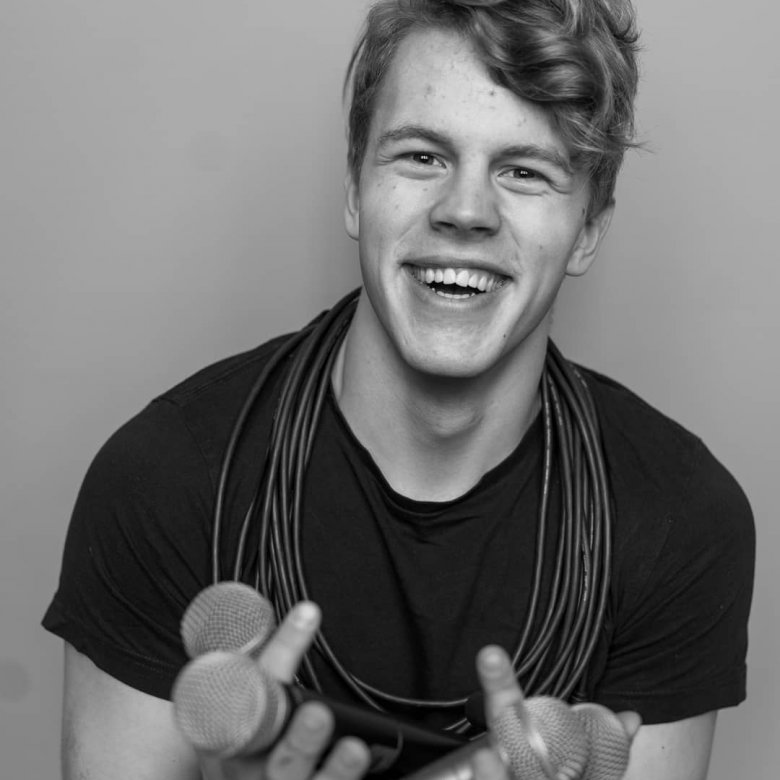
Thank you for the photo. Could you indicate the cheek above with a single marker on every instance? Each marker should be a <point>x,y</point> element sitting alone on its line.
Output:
<point>389,212</point>
<point>554,239</point>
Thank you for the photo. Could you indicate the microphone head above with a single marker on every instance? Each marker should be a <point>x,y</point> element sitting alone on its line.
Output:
<point>609,745</point>
<point>226,616</point>
<point>546,737</point>
<point>226,705</point>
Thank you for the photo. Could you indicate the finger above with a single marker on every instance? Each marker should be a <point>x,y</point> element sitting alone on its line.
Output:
<point>349,760</point>
<point>486,765</point>
<point>283,653</point>
<point>213,768</point>
<point>299,750</point>
<point>498,680</point>
<point>631,722</point>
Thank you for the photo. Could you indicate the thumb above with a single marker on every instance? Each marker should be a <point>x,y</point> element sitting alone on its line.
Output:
<point>284,650</point>
<point>631,722</point>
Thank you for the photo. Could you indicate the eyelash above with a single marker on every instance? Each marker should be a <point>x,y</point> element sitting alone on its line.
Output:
<point>414,155</point>
<point>530,173</point>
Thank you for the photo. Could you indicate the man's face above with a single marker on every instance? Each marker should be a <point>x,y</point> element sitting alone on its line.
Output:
<point>467,213</point>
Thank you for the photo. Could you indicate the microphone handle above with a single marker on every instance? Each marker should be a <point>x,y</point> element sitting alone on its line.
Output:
<point>401,745</point>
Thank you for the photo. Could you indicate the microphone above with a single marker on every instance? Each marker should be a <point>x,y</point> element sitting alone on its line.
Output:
<point>608,744</point>
<point>227,616</point>
<point>544,739</point>
<point>227,706</point>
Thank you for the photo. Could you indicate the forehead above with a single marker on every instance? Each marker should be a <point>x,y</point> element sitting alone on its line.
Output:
<point>437,80</point>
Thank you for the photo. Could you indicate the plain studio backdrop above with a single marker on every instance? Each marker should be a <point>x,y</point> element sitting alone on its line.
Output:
<point>172,177</point>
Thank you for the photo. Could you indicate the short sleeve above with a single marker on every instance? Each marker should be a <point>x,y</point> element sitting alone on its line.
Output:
<point>680,636</point>
<point>137,551</point>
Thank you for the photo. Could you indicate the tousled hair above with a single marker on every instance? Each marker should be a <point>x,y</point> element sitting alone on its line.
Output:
<point>575,58</point>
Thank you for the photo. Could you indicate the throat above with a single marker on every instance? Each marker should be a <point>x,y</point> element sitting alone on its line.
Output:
<point>434,452</point>
<point>431,437</point>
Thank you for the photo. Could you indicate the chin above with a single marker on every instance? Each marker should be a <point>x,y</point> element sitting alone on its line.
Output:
<point>448,366</point>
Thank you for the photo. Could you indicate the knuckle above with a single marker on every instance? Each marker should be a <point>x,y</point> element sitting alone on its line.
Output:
<point>487,765</point>
<point>310,729</point>
<point>301,745</point>
<point>281,765</point>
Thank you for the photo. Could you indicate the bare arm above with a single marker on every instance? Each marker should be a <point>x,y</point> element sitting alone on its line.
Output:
<point>114,732</point>
<point>668,751</point>
<point>673,751</point>
<point>110,730</point>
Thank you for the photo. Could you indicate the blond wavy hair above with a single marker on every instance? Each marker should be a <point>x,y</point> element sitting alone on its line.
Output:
<point>575,58</point>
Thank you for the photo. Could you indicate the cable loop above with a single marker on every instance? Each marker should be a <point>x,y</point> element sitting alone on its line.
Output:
<point>578,591</point>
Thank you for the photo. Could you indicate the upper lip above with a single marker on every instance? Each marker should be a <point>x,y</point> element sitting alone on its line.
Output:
<point>452,261</point>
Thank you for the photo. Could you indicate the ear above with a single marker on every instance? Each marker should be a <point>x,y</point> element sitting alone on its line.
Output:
<point>352,207</point>
<point>589,240</point>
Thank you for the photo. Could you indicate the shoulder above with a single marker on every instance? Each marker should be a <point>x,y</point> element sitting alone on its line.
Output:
<point>140,540</point>
<point>632,425</point>
<point>682,564</point>
<point>649,451</point>
<point>213,396</point>
<point>160,469</point>
<point>186,427</point>
<point>223,377</point>
<point>681,518</point>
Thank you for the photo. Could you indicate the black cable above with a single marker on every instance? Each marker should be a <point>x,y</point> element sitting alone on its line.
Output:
<point>578,587</point>
<point>235,435</point>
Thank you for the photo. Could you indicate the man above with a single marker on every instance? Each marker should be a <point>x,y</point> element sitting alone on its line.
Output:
<point>484,143</point>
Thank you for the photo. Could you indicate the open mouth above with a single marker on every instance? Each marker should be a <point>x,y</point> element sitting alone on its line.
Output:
<point>457,282</point>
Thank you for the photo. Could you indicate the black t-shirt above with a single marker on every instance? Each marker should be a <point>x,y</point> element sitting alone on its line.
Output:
<point>411,590</point>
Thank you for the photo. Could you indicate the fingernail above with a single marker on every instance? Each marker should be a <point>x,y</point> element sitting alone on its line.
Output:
<point>313,719</point>
<point>304,615</point>
<point>492,661</point>
<point>352,753</point>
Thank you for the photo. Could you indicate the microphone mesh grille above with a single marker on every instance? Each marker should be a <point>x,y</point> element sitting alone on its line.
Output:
<point>561,731</point>
<point>224,701</point>
<point>225,616</point>
<point>609,743</point>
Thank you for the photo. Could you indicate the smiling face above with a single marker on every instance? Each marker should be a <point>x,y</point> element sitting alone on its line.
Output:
<point>468,214</point>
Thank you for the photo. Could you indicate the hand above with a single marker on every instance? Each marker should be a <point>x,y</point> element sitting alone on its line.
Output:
<point>501,692</point>
<point>297,754</point>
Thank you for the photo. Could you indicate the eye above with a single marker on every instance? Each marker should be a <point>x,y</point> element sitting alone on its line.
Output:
<point>523,173</point>
<point>525,180</point>
<point>424,158</point>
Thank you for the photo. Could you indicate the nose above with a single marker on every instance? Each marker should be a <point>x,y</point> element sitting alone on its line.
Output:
<point>466,204</point>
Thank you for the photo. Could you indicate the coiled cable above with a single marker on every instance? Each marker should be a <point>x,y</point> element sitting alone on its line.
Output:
<point>553,663</point>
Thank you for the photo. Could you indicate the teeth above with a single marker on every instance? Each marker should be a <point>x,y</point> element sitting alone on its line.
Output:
<point>454,295</point>
<point>462,277</point>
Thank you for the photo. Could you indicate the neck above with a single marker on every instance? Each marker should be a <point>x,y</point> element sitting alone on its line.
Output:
<point>434,437</point>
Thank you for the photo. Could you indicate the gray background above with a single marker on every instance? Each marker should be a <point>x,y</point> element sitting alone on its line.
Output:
<point>171,181</point>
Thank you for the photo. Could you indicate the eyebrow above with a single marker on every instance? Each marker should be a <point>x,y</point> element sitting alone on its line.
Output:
<point>532,151</point>
<point>408,132</point>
